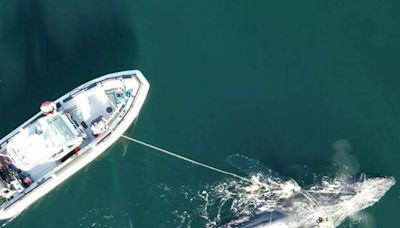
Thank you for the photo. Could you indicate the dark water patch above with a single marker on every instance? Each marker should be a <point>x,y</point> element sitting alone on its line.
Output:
<point>279,82</point>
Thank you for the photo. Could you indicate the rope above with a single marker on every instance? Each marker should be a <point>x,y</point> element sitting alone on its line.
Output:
<point>188,159</point>
<point>305,193</point>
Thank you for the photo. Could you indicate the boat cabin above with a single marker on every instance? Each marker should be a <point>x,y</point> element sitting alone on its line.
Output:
<point>45,140</point>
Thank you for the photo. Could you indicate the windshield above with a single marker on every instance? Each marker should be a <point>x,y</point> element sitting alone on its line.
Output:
<point>57,130</point>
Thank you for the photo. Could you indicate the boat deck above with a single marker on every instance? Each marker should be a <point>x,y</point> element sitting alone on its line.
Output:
<point>85,108</point>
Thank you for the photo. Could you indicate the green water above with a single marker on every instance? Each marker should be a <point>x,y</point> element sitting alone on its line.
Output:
<point>280,82</point>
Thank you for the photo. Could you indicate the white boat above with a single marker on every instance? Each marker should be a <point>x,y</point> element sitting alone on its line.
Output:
<point>66,135</point>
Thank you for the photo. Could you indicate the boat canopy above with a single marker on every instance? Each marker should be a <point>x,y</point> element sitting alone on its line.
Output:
<point>48,138</point>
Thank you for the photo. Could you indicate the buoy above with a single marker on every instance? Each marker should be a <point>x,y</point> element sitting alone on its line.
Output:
<point>48,107</point>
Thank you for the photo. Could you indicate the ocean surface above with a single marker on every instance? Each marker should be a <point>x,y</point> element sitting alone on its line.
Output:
<point>282,82</point>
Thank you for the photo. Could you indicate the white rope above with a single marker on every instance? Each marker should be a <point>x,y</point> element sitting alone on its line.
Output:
<point>305,193</point>
<point>188,159</point>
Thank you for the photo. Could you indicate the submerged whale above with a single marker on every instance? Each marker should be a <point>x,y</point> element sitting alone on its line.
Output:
<point>278,202</point>
<point>327,204</point>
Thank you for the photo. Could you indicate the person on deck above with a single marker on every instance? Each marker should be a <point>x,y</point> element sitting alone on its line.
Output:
<point>99,127</point>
